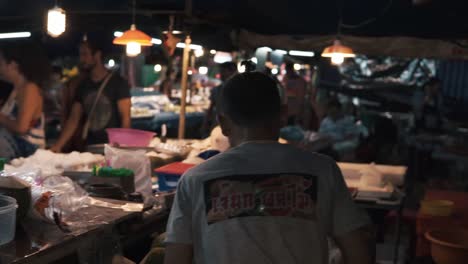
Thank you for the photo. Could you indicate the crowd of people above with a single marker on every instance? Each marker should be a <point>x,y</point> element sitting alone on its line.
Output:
<point>91,102</point>
<point>282,200</point>
<point>98,98</point>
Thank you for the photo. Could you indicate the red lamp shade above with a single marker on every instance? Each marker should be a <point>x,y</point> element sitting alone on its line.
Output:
<point>133,35</point>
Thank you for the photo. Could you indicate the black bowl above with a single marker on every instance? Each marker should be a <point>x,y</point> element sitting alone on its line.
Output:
<point>108,191</point>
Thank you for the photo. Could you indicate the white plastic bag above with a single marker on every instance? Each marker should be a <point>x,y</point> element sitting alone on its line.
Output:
<point>52,194</point>
<point>135,160</point>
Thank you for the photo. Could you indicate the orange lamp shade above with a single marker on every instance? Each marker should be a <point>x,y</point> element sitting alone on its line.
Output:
<point>338,48</point>
<point>133,36</point>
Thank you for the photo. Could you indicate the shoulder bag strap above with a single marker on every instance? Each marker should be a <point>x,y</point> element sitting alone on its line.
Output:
<point>93,107</point>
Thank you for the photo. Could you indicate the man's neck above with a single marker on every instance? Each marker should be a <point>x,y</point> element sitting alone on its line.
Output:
<point>98,73</point>
<point>247,135</point>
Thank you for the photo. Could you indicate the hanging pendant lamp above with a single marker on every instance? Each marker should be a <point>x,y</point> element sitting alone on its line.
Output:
<point>338,52</point>
<point>56,21</point>
<point>133,38</point>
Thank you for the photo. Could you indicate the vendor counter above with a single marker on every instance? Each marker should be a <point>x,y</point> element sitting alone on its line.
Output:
<point>193,123</point>
<point>97,235</point>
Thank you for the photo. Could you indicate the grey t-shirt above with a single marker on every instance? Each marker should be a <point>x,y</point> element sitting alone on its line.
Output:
<point>262,203</point>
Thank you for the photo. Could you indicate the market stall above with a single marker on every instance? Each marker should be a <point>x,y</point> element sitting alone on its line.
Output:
<point>151,110</point>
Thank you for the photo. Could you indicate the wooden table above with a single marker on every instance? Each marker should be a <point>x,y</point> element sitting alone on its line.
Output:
<point>396,175</point>
<point>111,230</point>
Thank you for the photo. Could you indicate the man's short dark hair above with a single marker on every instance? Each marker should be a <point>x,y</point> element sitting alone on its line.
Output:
<point>31,58</point>
<point>250,99</point>
<point>95,44</point>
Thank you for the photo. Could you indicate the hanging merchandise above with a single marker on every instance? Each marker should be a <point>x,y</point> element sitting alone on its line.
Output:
<point>133,38</point>
<point>56,21</point>
<point>175,27</point>
<point>170,41</point>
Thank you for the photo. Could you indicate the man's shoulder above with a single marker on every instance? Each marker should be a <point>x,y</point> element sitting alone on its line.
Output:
<point>117,79</point>
<point>212,165</point>
<point>229,162</point>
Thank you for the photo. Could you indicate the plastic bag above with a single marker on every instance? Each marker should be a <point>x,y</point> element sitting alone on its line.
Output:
<point>372,177</point>
<point>135,160</point>
<point>52,197</point>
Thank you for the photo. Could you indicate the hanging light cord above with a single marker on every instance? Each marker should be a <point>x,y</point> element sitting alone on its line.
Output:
<point>171,23</point>
<point>340,18</point>
<point>370,20</point>
<point>133,12</point>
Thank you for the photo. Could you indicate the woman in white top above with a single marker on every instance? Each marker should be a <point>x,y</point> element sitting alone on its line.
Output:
<point>24,65</point>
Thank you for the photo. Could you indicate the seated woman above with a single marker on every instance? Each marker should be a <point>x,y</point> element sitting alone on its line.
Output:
<point>25,66</point>
<point>342,129</point>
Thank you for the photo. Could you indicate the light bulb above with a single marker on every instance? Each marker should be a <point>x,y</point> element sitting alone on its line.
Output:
<point>56,22</point>
<point>212,52</point>
<point>189,72</point>
<point>198,52</point>
<point>133,49</point>
<point>297,66</point>
<point>203,70</point>
<point>274,71</point>
<point>337,58</point>
<point>111,63</point>
<point>157,67</point>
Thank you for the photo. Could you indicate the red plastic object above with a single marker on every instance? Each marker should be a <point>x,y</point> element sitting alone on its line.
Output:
<point>449,246</point>
<point>127,137</point>
<point>177,168</point>
<point>425,223</point>
<point>169,175</point>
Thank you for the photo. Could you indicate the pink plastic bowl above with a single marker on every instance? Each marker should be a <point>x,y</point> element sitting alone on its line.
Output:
<point>129,137</point>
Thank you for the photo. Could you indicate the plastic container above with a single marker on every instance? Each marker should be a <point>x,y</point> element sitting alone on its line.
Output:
<point>127,137</point>
<point>8,207</point>
<point>437,207</point>
<point>169,175</point>
<point>449,246</point>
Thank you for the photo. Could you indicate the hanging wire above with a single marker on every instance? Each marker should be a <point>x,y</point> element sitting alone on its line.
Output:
<point>133,12</point>
<point>370,20</point>
<point>340,18</point>
<point>171,24</point>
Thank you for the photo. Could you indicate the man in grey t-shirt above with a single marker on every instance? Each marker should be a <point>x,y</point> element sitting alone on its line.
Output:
<point>261,201</point>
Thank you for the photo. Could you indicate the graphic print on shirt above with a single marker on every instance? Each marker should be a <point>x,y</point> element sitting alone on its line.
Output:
<point>102,113</point>
<point>282,195</point>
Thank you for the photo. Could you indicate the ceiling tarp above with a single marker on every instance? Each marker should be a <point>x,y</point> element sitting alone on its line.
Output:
<point>407,47</point>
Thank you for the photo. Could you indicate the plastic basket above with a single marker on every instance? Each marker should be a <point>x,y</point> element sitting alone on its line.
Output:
<point>127,137</point>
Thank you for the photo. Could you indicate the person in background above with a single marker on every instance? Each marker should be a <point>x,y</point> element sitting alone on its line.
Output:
<point>236,207</point>
<point>52,102</point>
<point>111,107</point>
<point>226,71</point>
<point>5,90</point>
<point>169,82</point>
<point>344,131</point>
<point>336,124</point>
<point>430,114</point>
<point>296,89</point>
<point>25,65</point>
